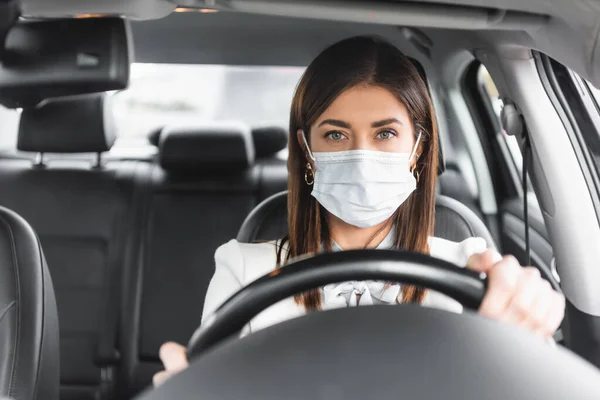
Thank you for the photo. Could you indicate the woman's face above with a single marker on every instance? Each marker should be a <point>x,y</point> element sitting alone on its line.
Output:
<point>363,118</point>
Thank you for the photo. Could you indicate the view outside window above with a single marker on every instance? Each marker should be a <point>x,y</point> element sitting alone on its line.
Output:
<point>168,94</point>
<point>511,141</point>
<point>497,104</point>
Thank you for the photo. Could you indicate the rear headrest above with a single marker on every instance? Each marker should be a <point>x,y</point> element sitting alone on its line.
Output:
<point>215,147</point>
<point>79,124</point>
<point>269,140</point>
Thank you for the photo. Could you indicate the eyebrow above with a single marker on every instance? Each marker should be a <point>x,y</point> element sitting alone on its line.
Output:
<point>335,122</point>
<point>377,124</point>
<point>385,122</point>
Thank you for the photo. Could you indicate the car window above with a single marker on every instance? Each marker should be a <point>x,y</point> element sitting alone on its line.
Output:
<point>492,92</point>
<point>173,94</point>
<point>170,94</point>
<point>511,142</point>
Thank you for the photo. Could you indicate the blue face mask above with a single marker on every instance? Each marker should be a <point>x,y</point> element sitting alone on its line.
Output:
<point>362,187</point>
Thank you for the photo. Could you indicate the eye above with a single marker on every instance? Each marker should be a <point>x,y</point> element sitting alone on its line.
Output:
<point>336,136</point>
<point>387,134</point>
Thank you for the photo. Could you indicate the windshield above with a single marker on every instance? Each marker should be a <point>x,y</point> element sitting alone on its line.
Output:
<point>173,94</point>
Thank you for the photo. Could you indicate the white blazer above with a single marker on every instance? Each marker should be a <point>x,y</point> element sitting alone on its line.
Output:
<point>238,264</point>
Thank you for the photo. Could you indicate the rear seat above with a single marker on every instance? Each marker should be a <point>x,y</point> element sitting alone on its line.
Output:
<point>129,244</point>
<point>81,211</point>
<point>205,185</point>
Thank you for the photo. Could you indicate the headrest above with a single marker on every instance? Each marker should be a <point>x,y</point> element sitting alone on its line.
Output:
<point>214,147</point>
<point>79,124</point>
<point>268,140</point>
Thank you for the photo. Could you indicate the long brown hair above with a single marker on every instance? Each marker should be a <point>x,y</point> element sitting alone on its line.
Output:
<point>362,60</point>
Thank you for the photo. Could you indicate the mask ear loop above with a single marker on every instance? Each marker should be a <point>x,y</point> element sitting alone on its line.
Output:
<point>412,153</point>
<point>310,154</point>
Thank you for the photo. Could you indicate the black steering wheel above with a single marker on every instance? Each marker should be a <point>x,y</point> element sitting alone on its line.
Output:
<point>389,265</point>
<point>378,352</point>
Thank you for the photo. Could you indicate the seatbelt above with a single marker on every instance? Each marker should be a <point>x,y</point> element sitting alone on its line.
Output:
<point>513,120</point>
<point>514,125</point>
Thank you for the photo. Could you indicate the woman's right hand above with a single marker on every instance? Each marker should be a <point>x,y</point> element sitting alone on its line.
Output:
<point>174,359</point>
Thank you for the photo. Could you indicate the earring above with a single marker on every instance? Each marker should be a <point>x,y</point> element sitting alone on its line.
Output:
<point>309,176</point>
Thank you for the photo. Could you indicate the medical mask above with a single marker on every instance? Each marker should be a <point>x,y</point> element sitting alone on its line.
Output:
<point>362,187</point>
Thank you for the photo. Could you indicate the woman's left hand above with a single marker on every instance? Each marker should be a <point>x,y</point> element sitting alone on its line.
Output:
<point>518,295</point>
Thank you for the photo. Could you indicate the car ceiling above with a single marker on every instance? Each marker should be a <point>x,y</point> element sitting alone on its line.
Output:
<point>566,30</point>
<point>246,39</point>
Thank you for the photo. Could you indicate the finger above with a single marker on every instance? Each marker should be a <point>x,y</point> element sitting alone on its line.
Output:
<point>519,309</point>
<point>541,309</point>
<point>502,284</point>
<point>482,262</point>
<point>557,314</point>
<point>173,356</point>
<point>160,377</point>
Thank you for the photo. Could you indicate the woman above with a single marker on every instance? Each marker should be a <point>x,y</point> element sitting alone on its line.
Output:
<point>363,162</point>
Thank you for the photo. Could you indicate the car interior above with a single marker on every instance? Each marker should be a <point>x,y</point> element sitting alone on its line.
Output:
<point>137,136</point>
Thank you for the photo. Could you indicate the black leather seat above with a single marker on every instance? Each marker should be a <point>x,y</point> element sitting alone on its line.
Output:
<point>81,211</point>
<point>453,221</point>
<point>452,183</point>
<point>268,141</point>
<point>29,348</point>
<point>205,184</point>
<point>207,179</point>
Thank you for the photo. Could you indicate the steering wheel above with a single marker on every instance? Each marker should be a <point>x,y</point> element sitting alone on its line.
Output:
<point>373,352</point>
<point>413,268</point>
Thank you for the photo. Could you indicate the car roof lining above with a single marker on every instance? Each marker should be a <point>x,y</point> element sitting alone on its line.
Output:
<point>232,38</point>
<point>567,31</point>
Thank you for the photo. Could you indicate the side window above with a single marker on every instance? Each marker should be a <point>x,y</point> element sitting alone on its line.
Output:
<point>508,142</point>
<point>497,104</point>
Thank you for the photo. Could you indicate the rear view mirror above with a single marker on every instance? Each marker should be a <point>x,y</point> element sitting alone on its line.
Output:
<point>56,58</point>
